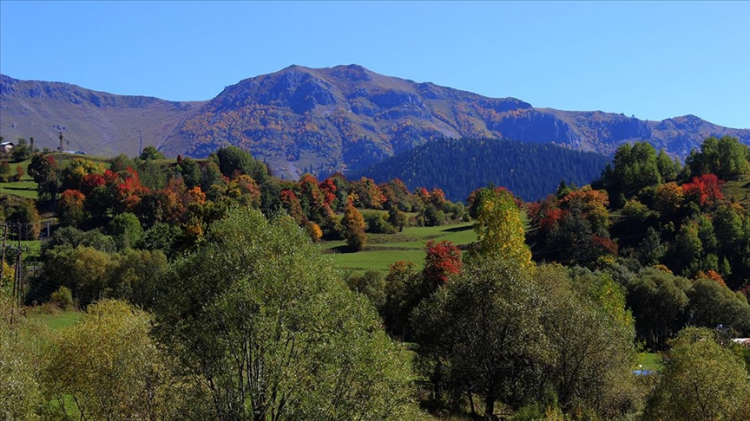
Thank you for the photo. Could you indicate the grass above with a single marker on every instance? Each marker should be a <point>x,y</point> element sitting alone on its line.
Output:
<point>57,320</point>
<point>738,190</point>
<point>650,361</point>
<point>385,249</point>
<point>23,188</point>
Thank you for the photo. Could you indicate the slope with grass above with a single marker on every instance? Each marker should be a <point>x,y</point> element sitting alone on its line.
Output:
<point>409,245</point>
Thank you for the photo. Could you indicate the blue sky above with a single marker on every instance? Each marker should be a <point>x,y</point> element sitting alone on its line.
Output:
<point>651,60</point>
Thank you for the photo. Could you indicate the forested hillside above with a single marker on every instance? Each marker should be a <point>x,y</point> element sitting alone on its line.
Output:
<point>460,166</point>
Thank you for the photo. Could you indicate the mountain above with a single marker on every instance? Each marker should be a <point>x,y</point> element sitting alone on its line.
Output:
<point>459,166</point>
<point>322,120</point>
<point>96,122</point>
<point>347,117</point>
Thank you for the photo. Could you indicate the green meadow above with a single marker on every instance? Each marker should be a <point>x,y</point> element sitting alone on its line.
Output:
<point>385,249</point>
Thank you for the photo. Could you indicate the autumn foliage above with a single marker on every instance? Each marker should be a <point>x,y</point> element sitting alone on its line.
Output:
<point>443,260</point>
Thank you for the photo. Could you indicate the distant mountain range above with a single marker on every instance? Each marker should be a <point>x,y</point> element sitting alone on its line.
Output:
<point>321,120</point>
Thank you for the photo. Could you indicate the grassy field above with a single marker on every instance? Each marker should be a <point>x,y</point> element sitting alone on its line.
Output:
<point>24,188</point>
<point>738,190</point>
<point>57,320</point>
<point>650,361</point>
<point>383,250</point>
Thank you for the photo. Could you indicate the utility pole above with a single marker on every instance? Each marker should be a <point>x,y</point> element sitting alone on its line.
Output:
<point>18,283</point>
<point>2,262</point>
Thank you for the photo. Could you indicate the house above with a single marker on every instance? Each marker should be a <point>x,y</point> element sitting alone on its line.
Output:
<point>7,147</point>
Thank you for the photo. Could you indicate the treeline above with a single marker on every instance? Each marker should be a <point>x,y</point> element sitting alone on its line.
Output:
<point>156,209</point>
<point>459,166</point>
<point>681,249</point>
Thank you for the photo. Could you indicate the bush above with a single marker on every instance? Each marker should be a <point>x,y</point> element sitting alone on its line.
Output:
<point>62,298</point>
<point>377,224</point>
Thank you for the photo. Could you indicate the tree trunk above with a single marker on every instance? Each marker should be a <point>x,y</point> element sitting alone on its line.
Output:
<point>489,407</point>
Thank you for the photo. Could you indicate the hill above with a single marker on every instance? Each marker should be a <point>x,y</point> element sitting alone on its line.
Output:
<point>98,123</point>
<point>459,166</point>
<point>301,119</point>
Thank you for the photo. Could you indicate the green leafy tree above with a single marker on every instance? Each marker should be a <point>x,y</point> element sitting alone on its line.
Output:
<point>108,367</point>
<point>486,328</point>
<point>267,323</point>
<point>150,153</point>
<point>45,172</point>
<point>725,157</point>
<point>20,391</point>
<point>591,344</point>
<point>126,230</point>
<point>702,381</point>
<point>21,151</point>
<point>668,169</point>
<point>191,173</point>
<point>659,303</point>
<point>712,304</point>
<point>121,163</point>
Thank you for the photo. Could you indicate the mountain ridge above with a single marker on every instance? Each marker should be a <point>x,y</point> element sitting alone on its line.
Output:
<point>322,120</point>
<point>97,122</point>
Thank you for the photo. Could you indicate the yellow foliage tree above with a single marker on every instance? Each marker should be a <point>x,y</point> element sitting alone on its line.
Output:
<point>498,226</point>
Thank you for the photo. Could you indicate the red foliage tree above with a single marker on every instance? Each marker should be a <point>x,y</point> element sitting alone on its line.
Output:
<point>328,187</point>
<point>443,259</point>
<point>90,182</point>
<point>704,190</point>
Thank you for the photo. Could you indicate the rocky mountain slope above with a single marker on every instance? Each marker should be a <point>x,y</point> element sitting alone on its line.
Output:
<point>98,123</point>
<point>322,120</point>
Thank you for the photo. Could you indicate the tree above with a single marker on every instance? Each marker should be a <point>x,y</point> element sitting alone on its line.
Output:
<point>485,327</point>
<point>591,343</point>
<point>702,381</point>
<point>150,152</point>
<point>354,227</point>
<point>108,367</point>
<point>20,391</point>
<point>733,159</point>
<point>44,170</point>
<point>650,249</point>
<point>498,226</point>
<point>668,169</point>
<point>725,157</point>
<point>712,304</point>
<point>443,260</point>
<point>24,214</point>
<point>659,304</point>
<point>126,230</point>
<point>635,167</point>
<point>267,323</point>
<point>704,190</point>
<point>21,151</point>
<point>71,208</point>
<point>191,172</point>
